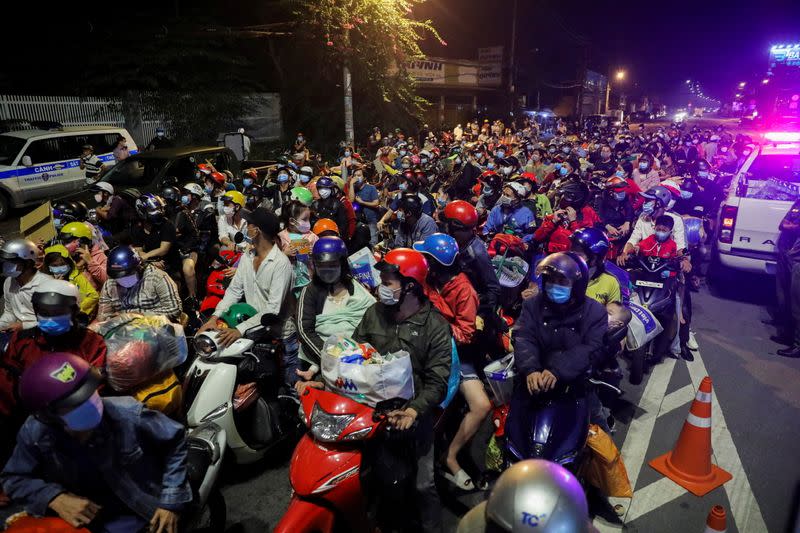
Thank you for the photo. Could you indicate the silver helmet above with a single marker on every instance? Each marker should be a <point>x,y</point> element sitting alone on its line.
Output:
<point>532,494</point>
<point>19,249</point>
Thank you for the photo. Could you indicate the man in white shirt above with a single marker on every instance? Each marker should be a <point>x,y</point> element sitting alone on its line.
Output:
<point>263,279</point>
<point>19,268</point>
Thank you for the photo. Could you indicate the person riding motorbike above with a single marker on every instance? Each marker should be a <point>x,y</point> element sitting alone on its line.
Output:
<point>452,294</point>
<point>538,203</point>
<point>509,215</point>
<point>153,236</point>
<point>490,192</point>
<point>605,161</point>
<point>186,243</point>
<point>94,482</point>
<point>58,264</point>
<point>404,319</point>
<point>616,211</point>
<point>89,256</point>
<point>592,245</point>
<point>645,174</point>
<point>231,221</point>
<point>279,193</point>
<point>19,257</point>
<point>114,213</point>
<point>573,213</point>
<point>328,205</point>
<point>135,287</point>
<point>414,224</point>
<point>66,211</point>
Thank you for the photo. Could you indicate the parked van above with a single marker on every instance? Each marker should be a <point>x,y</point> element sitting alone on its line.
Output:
<point>760,195</point>
<point>37,165</point>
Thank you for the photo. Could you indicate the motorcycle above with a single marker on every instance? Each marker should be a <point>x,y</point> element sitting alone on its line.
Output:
<point>655,288</point>
<point>327,468</point>
<point>237,388</point>
<point>217,281</point>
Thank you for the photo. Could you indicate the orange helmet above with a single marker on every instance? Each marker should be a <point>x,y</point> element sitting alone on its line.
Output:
<point>325,224</point>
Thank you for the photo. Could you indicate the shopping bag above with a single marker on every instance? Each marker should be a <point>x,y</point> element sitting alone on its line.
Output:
<point>384,377</point>
<point>603,468</point>
<point>362,266</point>
<point>643,327</point>
<point>455,375</point>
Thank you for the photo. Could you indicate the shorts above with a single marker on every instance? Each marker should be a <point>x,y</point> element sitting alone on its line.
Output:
<point>468,371</point>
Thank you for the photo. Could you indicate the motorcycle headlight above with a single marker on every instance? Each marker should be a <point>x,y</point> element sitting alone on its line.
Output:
<point>327,427</point>
<point>205,346</point>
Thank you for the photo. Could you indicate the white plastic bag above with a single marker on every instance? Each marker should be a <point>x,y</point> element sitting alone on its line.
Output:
<point>643,327</point>
<point>368,383</point>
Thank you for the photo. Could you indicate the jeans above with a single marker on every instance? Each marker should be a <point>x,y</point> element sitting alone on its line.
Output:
<point>373,233</point>
<point>291,359</point>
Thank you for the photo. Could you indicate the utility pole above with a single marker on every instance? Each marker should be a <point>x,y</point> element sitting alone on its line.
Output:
<point>608,90</point>
<point>347,80</point>
<point>511,70</point>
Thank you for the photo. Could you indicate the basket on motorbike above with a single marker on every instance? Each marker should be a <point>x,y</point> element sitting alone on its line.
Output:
<point>500,375</point>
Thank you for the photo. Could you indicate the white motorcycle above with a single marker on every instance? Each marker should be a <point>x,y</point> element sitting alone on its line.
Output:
<point>237,387</point>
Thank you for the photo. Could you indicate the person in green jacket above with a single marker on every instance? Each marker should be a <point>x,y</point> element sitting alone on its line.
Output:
<point>404,319</point>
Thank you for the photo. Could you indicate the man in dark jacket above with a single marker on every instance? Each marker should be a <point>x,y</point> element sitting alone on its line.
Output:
<point>788,283</point>
<point>556,336</point>
<point>405,320</point>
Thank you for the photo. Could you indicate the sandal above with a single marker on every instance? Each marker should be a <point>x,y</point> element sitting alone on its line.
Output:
<point>463,481</point>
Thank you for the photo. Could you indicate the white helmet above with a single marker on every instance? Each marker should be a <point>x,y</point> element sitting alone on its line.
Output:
<point>195,189</point>
<point>241,130</point>
<point>19,249</point>
<point>103,186</point>
<point>518,188</point>
<point>307,171</point>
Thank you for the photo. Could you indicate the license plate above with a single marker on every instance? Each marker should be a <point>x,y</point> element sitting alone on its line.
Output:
<point>653,284</point>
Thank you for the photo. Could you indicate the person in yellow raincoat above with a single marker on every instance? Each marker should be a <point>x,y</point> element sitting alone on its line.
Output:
<point>59,264</point>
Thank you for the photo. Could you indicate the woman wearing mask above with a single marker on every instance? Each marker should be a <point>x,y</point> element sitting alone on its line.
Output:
<point>332,304</point>
<point>230,221</point>
<point>616,211</point>
<point>297,240</point>
<point>280,193</point>
<point>644,175</point>
<point>59,264</point>
<point>538,165</point>
<point>88,253</point>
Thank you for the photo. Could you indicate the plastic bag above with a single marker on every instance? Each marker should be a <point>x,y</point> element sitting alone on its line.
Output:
<point>455,376</point>
<point>604,468</point>
<point>643,327</point>
<point>368,380</point>
<point>362,266</point>
<point>140,347</point>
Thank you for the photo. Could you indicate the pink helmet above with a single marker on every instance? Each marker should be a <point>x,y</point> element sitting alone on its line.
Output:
<point>57,380</point>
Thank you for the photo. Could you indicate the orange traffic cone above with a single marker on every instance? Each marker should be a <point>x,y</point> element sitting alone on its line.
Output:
<point>689,462</point>
<point>715,523</point>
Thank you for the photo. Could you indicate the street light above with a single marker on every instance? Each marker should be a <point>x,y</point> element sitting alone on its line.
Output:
<point>620,75</point>
<point>742,84</point>
<point>765,81</point>
<point>688,81</point>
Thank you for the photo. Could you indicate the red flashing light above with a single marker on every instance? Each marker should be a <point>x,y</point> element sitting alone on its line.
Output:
<point>728,223</point>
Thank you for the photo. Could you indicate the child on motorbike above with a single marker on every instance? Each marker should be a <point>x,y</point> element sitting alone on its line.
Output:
<point>660,244</point>
<point>296,241</point>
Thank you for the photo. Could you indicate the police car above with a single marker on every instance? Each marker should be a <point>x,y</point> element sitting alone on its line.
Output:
<point>761,194</point>
<point>36,165</point>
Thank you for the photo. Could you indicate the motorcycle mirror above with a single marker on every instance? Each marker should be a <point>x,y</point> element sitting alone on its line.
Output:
<point>238,238</point>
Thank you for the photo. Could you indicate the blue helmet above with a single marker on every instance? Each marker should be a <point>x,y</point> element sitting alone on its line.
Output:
<point>442,247</point>
<point>122,261</point>
<point>150,206</point>
<point>325,182</point>
<point>591,241</point>
<point>329,249</point>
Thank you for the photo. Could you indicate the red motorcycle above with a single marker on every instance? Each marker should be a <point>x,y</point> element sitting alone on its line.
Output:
<point>326,465</point>
<point>217,281</point>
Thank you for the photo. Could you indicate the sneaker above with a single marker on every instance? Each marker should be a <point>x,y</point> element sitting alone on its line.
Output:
<point>692,342</point>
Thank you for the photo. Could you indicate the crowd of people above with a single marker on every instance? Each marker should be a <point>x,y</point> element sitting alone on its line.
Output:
<point>433,208</point>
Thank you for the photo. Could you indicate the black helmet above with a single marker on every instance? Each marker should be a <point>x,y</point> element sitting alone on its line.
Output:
<point>150,207</point>
<point>171,195</point>
<point>122,261</point>
<point>65,212</point>
<point>411,204</point>
<point>491,179</point>
<point>593,243</point>
<point>573,194</point>
<point>55,297</point>
<point>568,266</point>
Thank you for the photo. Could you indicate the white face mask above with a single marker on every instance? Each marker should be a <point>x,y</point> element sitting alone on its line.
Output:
<point>128,281</point>
<point>324,193</point>
<point>228,210</point>
<point>98,198</point>
<point>387,296</point>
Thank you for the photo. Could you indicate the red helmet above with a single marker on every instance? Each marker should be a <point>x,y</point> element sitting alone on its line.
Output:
<point>406,262</point>
<point>528,176</point>
<point>204,168</point>
<point>217,177</point>
<point>409,175</point>
<point>461,212</point>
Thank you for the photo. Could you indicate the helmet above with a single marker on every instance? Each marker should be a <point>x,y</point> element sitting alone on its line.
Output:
<point>491,179</point>
<point>545,495</point>
<point>64,212</point>
<point>102,186</point>
<point>442,247</point>
<point>325,182</point>
<point>461,212</point>
<point>238,313</point>
<point>194,188</point>
<point>204,169</point>
<point>76,230</point>
<point>519,189</point>
<point>325,224</point>
<point>574,193</point>
<point>302,195</point>
<point>338,182</point>
<point>122,261</point>
<point>171,194</point>
<point>703,165</point>
<point>658,193</point>
<point>411,203</point>
<point>591,241</point>
<point>406,262</point>
<point>329,249</point>
<point>217,177</point>
<point>615,182</point>
<point>56,381</point>
<point>307,171</point>
<point>150,204</point>
<point>234,196</point>
<point>55,296</point>
<point>19,249</point>
<point>567,265</point>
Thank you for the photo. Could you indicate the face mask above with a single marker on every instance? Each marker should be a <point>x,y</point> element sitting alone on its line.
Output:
<point>723,149</point>
<point>185,200</point>
<point>209,189</point>
<point>686,194</point>
<point>605,156</point>
<point>401,216</point>
<point>402,186</point>
<point>565,150</point>
<point>98,198</point>
<point>304,178</point>
<point>558,293</point>
<point>620,174</point>
<point>662,236</point>
<point>299,139</point>
<point>648,208</point>
<point>247,182</point>
<point>387,296</point>
<point>324,193</point>
<point>506,170</point>
<point>620,196</point>
<point>403,152</point>
<point>563,171</point>
<point>10,270</point>
<point>551,150</point>
<point>347,154</point>
<point>536,158</point>
<point>58,223</point>
<point>702,173</point>
<point>458,161</point>
<point>54,325</point>
<point>490,165</point>
<point>581,152</point>
<point>228,210</point>
<point>501,154</point>
<point>86,416</point>
<point>329,274</point>
<point>59,271</point>
<point>128,281</point>
<point>72,246</point>
<point>695,141</point>
<point>557,166</point>
<point>283,178</point>
<point>303,226</point>
<point>424,160</point>
<point>643,166</point>
<point>488,190</point>
<point>405,165</point>
<point>504,200</point>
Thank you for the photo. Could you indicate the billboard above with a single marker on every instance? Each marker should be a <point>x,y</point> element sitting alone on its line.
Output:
<point>490,59</point>
<point>438,72</point>
<point>785,55</point>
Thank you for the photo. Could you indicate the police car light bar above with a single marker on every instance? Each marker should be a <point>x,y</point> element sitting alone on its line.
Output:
<point>782,136</point>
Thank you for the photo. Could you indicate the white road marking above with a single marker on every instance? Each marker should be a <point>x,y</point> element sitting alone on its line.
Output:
<point>676,399</point>
<point>652,497</point>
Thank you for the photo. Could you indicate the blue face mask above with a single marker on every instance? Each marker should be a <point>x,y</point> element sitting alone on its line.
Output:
<point>247,182</point>
<point>620,196</point>
<point>347,154</point>
<point>557,166</point>
<point>648,208</point>
<point>702,173</point>
<point>86,416</point>
<point>662,236</point>
<point>563,171</point>
<point>59,271</point>
<point>283,178</point>
<point>581,152</point>
<point>209,189</point>
<point>54,325</point>
<point>565,149</point>
<point>620,174</point>
<point>558,293</point>
<point>403,186</point>
<point>490,165</point>
<point>185,200</point>
<point>644,166</point>
<point>686,194</point>
<point>501,154</point>
<point>304,178</point>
